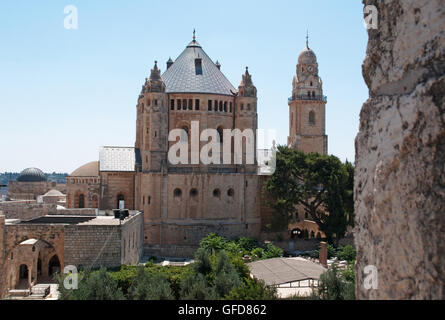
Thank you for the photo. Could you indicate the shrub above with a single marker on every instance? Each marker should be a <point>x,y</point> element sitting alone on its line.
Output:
<point>333,286</point>
<point>347,253</point>
<point>252,289</point>
<point>96,285</point>
<point>150,287</point>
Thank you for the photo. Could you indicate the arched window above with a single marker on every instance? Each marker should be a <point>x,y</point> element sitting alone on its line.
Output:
<point>220,106</point>
<point>217,193</point>
<point>312,118</point>
<point>311,83</point>
<point>184,104</point>
<point>216,106</point>
<point>194,193</point>
<point>81,201</point>
<point>313,93</point>
<point>225,106</point>
<point>242,106</point>
<point>231,192</point>
<point>177,193</point>
<point>248,106</point>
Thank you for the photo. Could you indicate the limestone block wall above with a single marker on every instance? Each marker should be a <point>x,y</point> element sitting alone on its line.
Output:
<point>132,243</point>
<point>29,190</point>
<point>26,210</point>
<point>400,154</point>
<point>114,184</point>
<point>92,246</point>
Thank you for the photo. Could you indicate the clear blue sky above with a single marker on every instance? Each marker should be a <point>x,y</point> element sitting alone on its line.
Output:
<point>64,93</point>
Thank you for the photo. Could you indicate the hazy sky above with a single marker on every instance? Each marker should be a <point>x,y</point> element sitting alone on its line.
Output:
<point>64,93</point>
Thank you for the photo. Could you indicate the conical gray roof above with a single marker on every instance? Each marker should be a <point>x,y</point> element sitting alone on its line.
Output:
<point>181,77</point>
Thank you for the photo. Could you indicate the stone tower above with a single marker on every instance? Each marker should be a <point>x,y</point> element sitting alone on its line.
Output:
<point>152,123</point>
<point>246,116</point>
<point>307,107</point>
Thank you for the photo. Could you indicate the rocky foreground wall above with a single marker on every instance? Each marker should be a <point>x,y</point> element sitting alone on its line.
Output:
<point>400,154</point>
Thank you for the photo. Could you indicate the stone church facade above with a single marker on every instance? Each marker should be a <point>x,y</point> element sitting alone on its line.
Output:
<point>182,203</point>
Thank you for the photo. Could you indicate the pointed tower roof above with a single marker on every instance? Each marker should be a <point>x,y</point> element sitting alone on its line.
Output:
<point>194,72</point>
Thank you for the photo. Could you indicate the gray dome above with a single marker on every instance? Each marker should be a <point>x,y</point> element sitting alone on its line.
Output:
<point>307,56</point>
<point>31,175</point>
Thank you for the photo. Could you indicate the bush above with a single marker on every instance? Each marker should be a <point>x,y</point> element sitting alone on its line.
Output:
<point>96,285</point>
<point>333,286</point>
<point>347,253</point>
<point>150,287</point>
<point>252,289</point>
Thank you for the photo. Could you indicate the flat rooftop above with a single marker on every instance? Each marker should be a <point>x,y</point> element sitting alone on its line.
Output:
<point>75,220</point>
<point>285,270</point>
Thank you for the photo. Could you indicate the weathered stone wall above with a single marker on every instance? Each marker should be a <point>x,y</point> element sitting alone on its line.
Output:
<point>29,190</point>
<point>26,210</point>
<point>89,246</point>
<point>95,245</point>
<point>400,153</point>
<point>132,243</point>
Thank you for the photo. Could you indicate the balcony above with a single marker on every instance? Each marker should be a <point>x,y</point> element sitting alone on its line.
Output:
<point>309,98</point>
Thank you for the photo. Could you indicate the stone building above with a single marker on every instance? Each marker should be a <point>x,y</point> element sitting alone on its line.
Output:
<point>307,107</point>
<point>184,202</point>
<point>31,183</point>
<point>32,251</point>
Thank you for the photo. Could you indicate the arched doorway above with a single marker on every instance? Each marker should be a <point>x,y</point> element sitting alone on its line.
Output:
<point>39,267</point>
<point>23,272</point>
<point>53,265</point>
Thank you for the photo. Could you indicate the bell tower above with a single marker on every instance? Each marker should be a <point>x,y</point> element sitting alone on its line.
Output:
<point>152,123</point>
<point>307,107</point>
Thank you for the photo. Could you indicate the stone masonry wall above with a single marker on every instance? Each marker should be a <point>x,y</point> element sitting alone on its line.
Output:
<point>26,210</point>
<point>400,153</point>
<point>92,246</point>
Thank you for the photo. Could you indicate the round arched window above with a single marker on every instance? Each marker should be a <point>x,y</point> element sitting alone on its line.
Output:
<point>217,193</point>
<point>193,193</point>
<point>230,192</point>
<point>177,193</point>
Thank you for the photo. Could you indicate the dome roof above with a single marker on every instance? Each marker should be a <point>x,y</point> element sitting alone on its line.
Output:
<point>31,175</point>
<point>307,56</point>
<point>90,169</point>
<point>53,193</point>
<point>194,72</point>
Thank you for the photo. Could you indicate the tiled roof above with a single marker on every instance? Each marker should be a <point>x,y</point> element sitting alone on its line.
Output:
<point>117,159</point>
<point>181,77</point>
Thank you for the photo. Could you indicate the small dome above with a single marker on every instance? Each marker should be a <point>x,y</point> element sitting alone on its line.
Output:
<point>307,56</point>
<point>90,169</point>
<point>53,193</point>
<point>31,175</point>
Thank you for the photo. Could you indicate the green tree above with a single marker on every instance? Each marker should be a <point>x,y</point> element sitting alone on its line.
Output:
<point>321,184</point>
<point>150,287</point>
<point>95,285</point>
<point>253,289</point>
<point>334,285</point>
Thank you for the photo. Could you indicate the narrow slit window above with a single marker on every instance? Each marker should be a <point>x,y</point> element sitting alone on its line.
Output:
<point>197,104</point>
